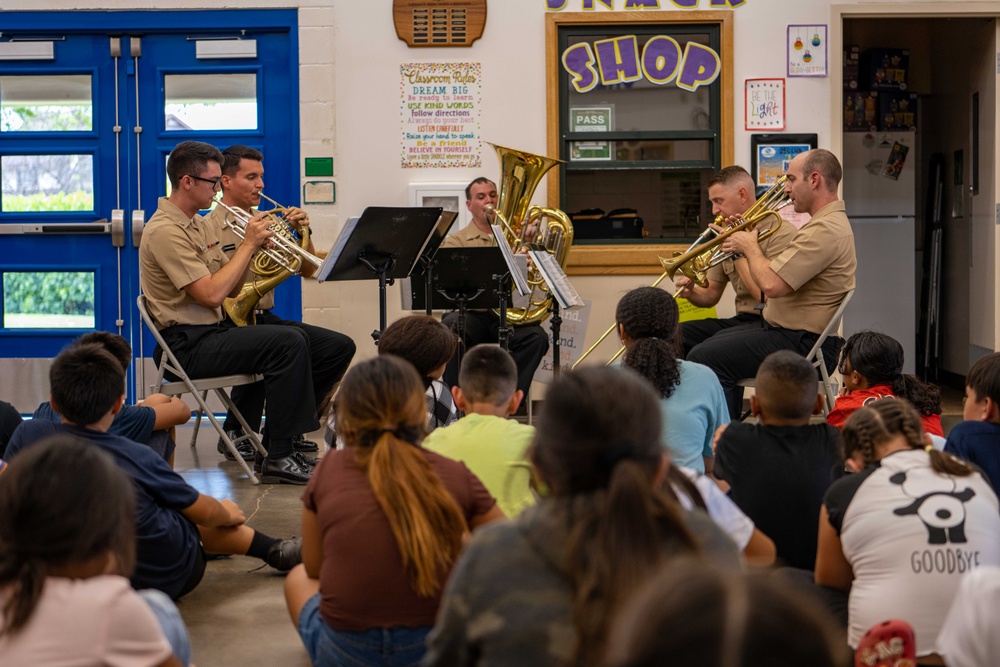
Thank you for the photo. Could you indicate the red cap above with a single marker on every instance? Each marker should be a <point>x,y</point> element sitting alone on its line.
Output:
<point>887,644</point>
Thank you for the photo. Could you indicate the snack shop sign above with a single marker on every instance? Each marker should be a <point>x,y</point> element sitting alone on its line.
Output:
<point>661,60</point>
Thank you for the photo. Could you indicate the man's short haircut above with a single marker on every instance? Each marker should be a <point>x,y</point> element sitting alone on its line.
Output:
<point>190,157</point>
<point>420,339</point>
<point>786,385</point>
<point>488,375</point>
<point>233,155</point>
<point>731,175</point>
<point>86,381</point>
<point>826,164</point>
<point>112,342</point>
<point>481,179</point>
<point>984,378</point>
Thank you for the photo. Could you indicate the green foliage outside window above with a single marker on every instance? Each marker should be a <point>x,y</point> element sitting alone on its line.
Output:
<point>48,293</point>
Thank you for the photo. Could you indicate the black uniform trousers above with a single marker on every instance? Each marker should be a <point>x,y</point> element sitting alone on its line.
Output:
<point>698,331</point>
<point>330,354</point>
<point>280,354</point>
<point>527,343</point>
<point>736,353</point>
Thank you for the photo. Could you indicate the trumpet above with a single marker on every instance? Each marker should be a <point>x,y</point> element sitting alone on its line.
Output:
<point>705,252</point>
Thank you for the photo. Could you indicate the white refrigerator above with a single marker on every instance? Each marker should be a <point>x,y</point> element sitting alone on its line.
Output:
<point>882,210</point>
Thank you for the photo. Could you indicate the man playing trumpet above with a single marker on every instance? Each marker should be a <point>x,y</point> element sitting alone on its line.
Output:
<point>804,285</point>
<point>731,192</point>
<point>330,352</point>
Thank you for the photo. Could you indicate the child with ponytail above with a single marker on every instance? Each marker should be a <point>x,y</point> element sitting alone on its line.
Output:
<point>384,520</point>
<point>691,399</point>
<point>900,533</point>
<point>543,590</point>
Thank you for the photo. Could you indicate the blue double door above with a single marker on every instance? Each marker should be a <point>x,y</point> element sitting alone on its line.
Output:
<point>91,103</point>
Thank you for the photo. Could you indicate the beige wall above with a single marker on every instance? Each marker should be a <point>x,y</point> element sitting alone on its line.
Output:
<point>349,108</point>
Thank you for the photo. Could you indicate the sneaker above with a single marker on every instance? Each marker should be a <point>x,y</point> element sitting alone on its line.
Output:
<point>300,444</point>
<point>245,449</point>
<point>284,471</point>
<point>285,555</point>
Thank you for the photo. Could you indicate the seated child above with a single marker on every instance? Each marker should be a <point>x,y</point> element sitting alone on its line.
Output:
<point>977,439</point>
<point>10,419</point>
<point>149,422</point>
<point>67,532</point>
<point>779,469</point>
<point>691,398</point>
<point>175,525</point>
<point>428,345</point>
<point>490,444</point>
<point>872,366</point>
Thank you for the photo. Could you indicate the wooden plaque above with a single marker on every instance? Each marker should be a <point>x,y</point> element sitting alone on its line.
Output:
<point>439,22</point>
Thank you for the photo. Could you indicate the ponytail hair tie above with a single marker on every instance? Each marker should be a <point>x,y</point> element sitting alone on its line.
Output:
<point>408,434</point>
<point>609,458</point>
<point>928,448</point>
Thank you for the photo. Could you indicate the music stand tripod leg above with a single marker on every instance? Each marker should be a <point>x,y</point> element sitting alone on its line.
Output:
<point>555,326</point>
<point>503,330</point>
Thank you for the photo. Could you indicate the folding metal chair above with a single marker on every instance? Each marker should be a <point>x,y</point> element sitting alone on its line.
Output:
<point>827,386</point>
<point>199,388</point>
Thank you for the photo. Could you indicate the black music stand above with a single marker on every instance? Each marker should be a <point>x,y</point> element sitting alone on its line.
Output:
<point>383,241</point>
<point>430,250</point>
<point>462,280</point>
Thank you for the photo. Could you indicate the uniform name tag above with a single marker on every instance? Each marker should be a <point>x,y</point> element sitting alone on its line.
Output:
<point>228,247</point>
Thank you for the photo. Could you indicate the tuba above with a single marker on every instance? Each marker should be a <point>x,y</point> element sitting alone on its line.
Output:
<point>524,225</point>
<point>270,266</point>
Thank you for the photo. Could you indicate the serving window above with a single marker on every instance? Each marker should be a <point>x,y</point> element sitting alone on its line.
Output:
<point>640,109</point>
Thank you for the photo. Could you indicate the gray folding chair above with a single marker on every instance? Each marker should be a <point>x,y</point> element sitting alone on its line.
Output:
<point>827,386</point>
<point>199,388</point>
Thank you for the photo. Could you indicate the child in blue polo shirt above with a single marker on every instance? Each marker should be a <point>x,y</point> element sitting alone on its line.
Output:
<point>977,439</point>
<point>175,525</point>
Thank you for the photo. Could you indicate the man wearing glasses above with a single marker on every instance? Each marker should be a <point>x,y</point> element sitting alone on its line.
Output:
<point>186,276</point>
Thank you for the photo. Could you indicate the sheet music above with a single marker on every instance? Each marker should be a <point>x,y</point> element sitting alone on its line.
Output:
<point>520,278</point>
<point>338,247</point>
<point>556,279</point>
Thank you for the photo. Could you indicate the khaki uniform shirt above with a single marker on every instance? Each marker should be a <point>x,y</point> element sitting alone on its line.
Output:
<point>771,247</point>
<point>230,242</point>
<point>468,237</point>
<point>176,251</point>
<point>819,265</point>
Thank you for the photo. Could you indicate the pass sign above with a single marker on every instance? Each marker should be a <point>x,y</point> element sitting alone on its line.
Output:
<point>590,119</point>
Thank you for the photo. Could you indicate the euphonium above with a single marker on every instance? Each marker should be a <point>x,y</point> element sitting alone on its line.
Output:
<point>520,174</point>
<point>270,266</point>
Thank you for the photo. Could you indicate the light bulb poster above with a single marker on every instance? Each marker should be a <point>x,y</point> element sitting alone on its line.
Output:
<point>807,50</point>
<point>440,108</point>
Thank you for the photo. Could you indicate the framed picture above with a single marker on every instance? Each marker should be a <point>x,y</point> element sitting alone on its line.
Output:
<point>449,196</point>
<point>771,154</point>
<point>807,50</point>
<point>764,104</point>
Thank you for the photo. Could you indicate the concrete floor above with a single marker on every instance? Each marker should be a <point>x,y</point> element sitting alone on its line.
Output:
<point>237,615</point>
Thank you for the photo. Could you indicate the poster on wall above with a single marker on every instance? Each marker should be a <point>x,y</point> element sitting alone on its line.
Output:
<point>772,153</point>
<point>440,113</point>
<point>807,50</point>
<point>764,104</point>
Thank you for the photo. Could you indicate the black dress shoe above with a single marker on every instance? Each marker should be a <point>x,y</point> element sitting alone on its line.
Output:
<point>284,471</point>
<point>300,444</point>
<point>285,555</point>
<point>305,461</point>
<point>245,449</point>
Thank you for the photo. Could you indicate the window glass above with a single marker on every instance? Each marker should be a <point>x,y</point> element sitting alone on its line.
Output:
<point>34,183</point>
<point>48,300</point>
<point>210,102</point>
<point>637,150</point>
<point>655,204</point>
<point>49,103</point>
<point>641,104</point>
